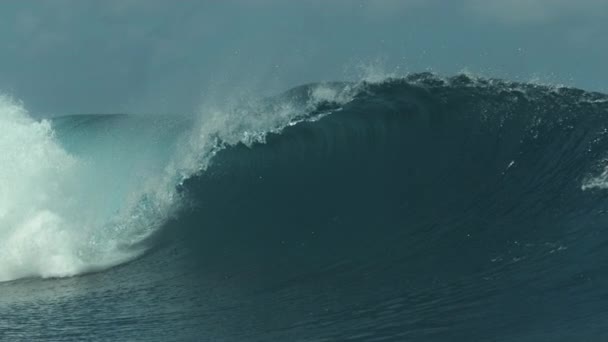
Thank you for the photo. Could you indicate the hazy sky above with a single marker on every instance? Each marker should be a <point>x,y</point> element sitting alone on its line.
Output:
<point>89,56</point>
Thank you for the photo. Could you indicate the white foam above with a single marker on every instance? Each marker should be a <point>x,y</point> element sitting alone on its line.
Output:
<point>598,182</point>
<point>34,172</point>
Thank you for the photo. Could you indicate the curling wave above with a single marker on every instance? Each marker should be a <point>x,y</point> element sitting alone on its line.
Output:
<point>84,193</point>
<point>420,208</point>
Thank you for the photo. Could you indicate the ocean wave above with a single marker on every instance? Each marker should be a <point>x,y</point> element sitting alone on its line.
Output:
<point>84,193</point>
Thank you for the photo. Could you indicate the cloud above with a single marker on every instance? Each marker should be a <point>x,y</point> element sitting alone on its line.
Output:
<point>537,11</point>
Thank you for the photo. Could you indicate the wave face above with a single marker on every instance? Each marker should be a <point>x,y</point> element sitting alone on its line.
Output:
<point>417,208</point>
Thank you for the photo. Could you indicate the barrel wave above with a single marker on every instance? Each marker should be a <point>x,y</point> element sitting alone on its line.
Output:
<point>418,208</point>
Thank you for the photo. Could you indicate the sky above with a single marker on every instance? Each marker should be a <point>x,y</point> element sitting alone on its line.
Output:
<point>150,56</point>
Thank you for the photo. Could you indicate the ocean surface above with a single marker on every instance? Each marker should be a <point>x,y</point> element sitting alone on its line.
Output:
<point>419,208</point>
